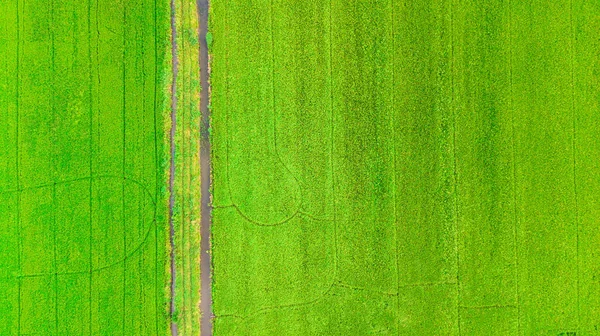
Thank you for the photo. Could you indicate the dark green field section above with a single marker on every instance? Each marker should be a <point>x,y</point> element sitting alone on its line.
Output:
<point>82,197</point>
<point>406,167</point>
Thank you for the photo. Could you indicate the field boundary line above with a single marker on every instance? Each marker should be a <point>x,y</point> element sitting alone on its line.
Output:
<point>365,289</point>
<point>455,173</point>
<point>514,169</point>
<point>334,201</point>
<point>123,111</point>
<point>428,284</point>
<point>157,181</point>
<point>19,229</point>
<point>489,307</point>
<point>574,149</point>
<point>393,124</point>
<point>90,158</point>
<point>53,160</point>
<point>142,204</point>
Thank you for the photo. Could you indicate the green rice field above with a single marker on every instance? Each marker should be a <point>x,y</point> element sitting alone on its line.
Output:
<point>405,167</point>
<point>83,245</point>
<point>377,167</point>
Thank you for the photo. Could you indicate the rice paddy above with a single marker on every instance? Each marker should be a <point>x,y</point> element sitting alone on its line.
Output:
<point>377,167</point>
<point>411,168</point>
<point>82,175</point>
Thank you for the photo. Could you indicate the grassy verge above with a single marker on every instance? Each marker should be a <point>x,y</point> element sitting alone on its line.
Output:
<point>187,172</point>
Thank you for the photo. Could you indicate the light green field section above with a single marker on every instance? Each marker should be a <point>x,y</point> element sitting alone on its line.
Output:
<point>82,182</point>
<point>186,210</point>
<point>409,168</point>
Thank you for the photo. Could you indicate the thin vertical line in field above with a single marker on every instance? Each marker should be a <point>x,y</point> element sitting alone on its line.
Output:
<point>174,64</point>
<point>142,203</point>
<point>157,176</point>
<point>54,168</point>
<point>335,243</point>
<point>456,221</point>
<point>514,172</point>
<point>226,108</point>
<point>91,171</point>
<point>273,79</point>
<point>123,111</point>
<point>18,98</point>
<point>54,256</point>
<point>205,176</point>
<point>54,153</point>
<point>273,82</point>
<point>97,24</point>
<point>574,148</point>
<point>393,124</point>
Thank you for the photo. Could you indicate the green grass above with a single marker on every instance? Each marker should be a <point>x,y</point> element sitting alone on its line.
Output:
<point>413,168</point>
<point>186,210</point>
<point>82,201</point>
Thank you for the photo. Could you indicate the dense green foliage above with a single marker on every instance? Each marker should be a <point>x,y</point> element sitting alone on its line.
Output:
<point>82,201</point>
<point>405,167</point>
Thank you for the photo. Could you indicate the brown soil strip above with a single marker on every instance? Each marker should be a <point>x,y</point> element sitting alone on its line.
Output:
<point>205,171</point>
